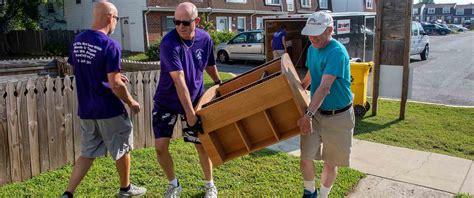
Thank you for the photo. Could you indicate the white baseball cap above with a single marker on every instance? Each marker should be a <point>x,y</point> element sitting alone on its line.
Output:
<point>317,24</point>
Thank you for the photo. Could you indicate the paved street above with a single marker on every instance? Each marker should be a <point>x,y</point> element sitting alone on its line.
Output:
<point>447,77</point>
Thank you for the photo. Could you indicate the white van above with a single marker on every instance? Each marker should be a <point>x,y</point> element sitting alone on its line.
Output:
<point>420,41</point>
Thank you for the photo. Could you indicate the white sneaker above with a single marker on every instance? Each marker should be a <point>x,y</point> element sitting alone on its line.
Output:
<point>211,191</point>
<point>134,191</point>
<point>173,191</point>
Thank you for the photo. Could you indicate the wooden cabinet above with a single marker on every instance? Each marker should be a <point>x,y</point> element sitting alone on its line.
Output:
<point>252,111</point>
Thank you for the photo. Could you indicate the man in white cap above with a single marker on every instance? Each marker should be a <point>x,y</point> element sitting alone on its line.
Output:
<point>328,124</point>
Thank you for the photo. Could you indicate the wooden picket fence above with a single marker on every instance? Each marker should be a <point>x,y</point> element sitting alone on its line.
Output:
<point>39,126</point>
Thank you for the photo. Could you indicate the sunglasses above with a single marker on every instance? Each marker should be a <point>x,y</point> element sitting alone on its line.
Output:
<point>116,17</point>
<point>184,22</point>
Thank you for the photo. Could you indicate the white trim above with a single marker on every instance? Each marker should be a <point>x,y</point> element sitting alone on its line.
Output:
<point>321,4</point>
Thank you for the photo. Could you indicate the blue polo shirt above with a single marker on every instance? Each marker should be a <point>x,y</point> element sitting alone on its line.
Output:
<point>190,56</point>
<point>332,60</point>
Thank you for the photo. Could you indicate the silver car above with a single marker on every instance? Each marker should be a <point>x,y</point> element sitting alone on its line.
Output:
<point>420,41</point>
<point>244,46</point>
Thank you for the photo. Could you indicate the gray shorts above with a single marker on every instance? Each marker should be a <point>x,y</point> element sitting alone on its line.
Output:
<point>113,134</point>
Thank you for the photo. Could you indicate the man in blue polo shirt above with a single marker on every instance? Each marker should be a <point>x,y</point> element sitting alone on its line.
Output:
<point>104,123</point>
<point>328,124</point>
<point>185,53</point>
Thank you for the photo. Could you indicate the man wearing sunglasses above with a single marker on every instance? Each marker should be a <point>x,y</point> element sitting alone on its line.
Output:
<point>104,122</point>
<point>185,52</point>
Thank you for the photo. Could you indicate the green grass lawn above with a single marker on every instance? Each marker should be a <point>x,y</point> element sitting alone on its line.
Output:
<point>263,173</point>
<point>137,57</point>
<point>433,128</point>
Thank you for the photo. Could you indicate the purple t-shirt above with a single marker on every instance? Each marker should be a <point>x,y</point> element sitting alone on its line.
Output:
<point>192,57</point>
<point>93,54</point>
<point>277,44</point>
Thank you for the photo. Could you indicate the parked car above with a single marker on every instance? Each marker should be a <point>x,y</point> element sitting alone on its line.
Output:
<point>436,29</point>
<point>244,46</point>
<point>420,41</point>
<point>457,28</point>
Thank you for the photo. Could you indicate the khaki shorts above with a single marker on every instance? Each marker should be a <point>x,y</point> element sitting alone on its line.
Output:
<point>331,140</point>
<point>278,53</point>
<point>113,134</point>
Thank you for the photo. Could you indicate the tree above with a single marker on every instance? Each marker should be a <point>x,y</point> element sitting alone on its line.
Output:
<point>19,15</point>
<point>427,1</point>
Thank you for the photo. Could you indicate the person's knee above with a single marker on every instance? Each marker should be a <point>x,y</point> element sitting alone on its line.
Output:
<point>306,164</point>
<point>161,148</point>
<point>329,167</point>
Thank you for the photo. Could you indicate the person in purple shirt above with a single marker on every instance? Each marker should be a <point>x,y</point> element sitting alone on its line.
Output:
<point>279,42</point>
<point>185,52</point>
<point>104,123</point>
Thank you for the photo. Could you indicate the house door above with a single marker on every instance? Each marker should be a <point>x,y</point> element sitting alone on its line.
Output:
<point>124,24</point>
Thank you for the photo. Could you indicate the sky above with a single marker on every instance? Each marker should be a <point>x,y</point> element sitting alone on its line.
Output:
<point>454,1</point>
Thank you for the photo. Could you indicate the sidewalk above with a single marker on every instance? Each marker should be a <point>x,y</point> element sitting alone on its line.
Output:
<point>442,173</point>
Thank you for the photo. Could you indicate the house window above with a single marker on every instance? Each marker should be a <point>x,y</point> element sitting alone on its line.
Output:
<point>78,1</point>
<point>323,4</point>
<point>223,24</point>
<point>456,20</point>
<point>446,10</point>
<point>236,1</point>
<point>369,4</point>
<point>290,5</point>
<point>272,2</point>
<point>240,24</point>
<point>415,10</point>
<point>259,23</point>
<point>459,11</point>
<point>305,3</point>
<point>431,10</point>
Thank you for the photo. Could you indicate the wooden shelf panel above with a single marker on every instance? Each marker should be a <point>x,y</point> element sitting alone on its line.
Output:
<point>263,143</point>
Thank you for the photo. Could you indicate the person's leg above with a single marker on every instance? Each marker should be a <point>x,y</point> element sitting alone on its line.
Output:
<point>91,147</point>
<point>205,162</point>
<point>328,176</point>
<point>164,157</point>
<point>123,169</point>
<point>310,150</point>
<point>81,167</point>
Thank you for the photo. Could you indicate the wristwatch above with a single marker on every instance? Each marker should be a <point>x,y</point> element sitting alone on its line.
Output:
<point>218,82</point>
<point>309,113</point>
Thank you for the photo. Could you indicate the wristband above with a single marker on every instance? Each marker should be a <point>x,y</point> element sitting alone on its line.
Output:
<point>309,113</point>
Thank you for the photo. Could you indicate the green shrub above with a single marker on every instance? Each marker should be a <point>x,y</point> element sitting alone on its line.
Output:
<point>220,37</point>
<point>56,49</point>
<point>153,52</point>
